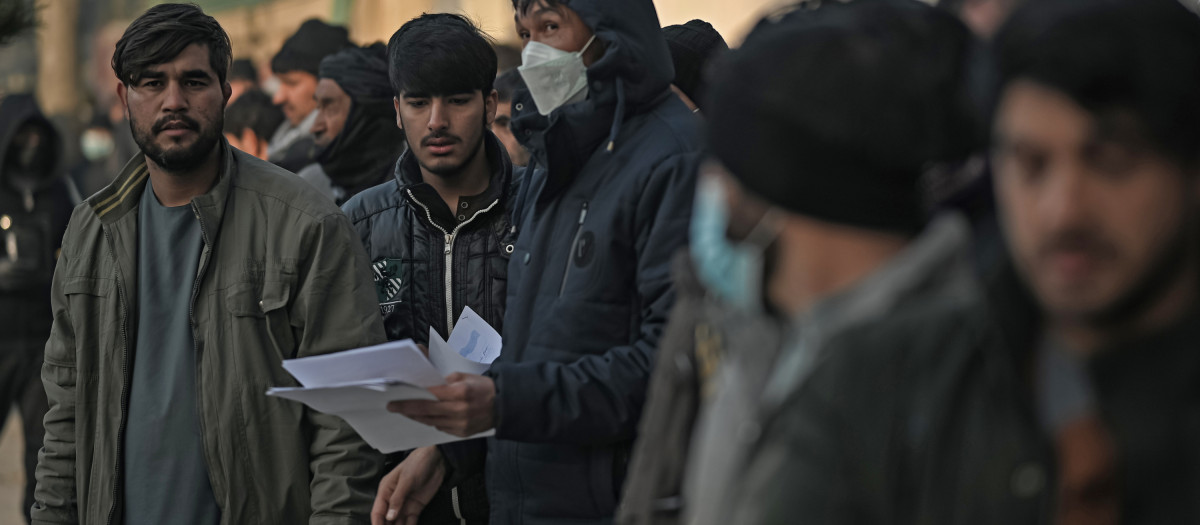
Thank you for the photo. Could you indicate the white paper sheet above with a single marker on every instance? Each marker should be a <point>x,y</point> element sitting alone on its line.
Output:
<point>357,385</point>
<point>363,406</point>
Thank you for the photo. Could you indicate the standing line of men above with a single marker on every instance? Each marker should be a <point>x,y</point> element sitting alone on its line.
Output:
<point>757,321</point>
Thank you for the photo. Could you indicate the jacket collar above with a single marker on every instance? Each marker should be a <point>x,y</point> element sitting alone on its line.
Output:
<point>122,195</point>
<point>408,172</point>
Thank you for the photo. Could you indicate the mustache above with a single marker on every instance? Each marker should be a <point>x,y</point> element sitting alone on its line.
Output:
<point>1077,241</point>
<point>174,120</point>
<point>439,136</point>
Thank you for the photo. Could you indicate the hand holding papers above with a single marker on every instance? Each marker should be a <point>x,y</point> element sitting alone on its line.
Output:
<point>357,385</point>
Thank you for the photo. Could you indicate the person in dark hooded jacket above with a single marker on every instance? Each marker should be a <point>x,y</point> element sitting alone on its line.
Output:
<point>355,131</point>
<point>602,209</point>
<point>36,199</point>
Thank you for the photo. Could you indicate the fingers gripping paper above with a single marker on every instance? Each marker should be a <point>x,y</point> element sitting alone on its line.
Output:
<point>357,385</point>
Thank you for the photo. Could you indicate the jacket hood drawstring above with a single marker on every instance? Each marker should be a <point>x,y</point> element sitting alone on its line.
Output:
<point>619,117</point>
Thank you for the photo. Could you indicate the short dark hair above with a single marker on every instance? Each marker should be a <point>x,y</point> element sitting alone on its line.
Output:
<point>15,19</point>
<point>1115,58</point>
<point>243,69</point>
<point>522,6</point>
<point>253,110</point>
<point>164,31</point>
<point>508,84</point>
<point>440,54</point>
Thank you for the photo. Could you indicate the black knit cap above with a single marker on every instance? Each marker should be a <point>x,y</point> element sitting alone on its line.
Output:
<point>835,113</point>
<point>304,50</point>
<point>692,46</point>
<point>362,72</point>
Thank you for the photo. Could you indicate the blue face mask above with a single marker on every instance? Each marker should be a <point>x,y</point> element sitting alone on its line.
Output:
<point>733,271</point>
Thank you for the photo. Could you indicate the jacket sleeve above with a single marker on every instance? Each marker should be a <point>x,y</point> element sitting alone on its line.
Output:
<point>335,310</point>
<point>830,452</point>
<point>598,398</point>
<point>54,499</point>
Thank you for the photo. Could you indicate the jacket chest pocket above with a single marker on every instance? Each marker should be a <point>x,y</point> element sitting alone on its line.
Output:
<point>91,304</point>
<point>259,316</point>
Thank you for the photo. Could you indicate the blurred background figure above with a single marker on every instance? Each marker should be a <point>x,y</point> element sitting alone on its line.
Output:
<point>36,199</point>
<point>693,46</point>
<point>507,84</point>
<point>15,19</point>
<point>355,132</point>
<point>242,76</point>
<point>297,65</point>
<point>250,122</point>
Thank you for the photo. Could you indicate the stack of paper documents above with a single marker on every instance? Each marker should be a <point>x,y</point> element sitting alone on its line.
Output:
<point>357,385</point>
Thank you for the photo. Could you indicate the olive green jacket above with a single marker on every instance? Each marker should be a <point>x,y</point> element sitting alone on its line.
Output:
<point>281,275</point>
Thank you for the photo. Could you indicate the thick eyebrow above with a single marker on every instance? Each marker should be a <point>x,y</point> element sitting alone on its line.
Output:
<point>196,73</point>
<point>539,12</point>
<point>152,75</point>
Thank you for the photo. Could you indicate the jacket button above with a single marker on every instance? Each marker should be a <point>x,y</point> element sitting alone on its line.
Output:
<point>527,258</point>
<point>508,249</point>
<point>260,305</point>
<point>463,205</point>
<point>1028,480</point>
<point>519,106</point>
<point>462,217</point>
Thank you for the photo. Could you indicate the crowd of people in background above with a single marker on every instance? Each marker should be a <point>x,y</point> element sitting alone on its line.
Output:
<point>881,262</point>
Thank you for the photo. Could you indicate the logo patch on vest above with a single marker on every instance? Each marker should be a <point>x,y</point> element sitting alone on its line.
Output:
<point>388,278</point>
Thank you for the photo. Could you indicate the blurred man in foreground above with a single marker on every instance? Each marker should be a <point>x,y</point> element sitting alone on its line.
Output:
<point>1066,393</point>
<point>801,231</point>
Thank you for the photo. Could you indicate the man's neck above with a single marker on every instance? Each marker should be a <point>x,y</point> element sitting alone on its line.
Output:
<point>1088,338</point>
<point>179,188</point>
<point>472,180</point>
<point>816,261</point>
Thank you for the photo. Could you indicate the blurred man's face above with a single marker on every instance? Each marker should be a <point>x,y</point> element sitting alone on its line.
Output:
<point>1095,219</point>
<point>239,86</point>
<point>445,132</point>
<point>558,27</point>
<point>516,152</point>
<point>295,95</point>
<point>333,108</point>
<point>177,109</point>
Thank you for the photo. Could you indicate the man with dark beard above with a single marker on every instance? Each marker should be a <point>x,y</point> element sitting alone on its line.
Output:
<point>180,289</point>
<point>1066,392</point>
<point>355,130</point>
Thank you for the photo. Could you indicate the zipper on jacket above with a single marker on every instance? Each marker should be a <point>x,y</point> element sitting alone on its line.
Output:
<point>574,245</point>
<point>217,489</point>
<point>449,254</point>
<point>125,379</point>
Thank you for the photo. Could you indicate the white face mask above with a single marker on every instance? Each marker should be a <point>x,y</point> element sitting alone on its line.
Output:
<point>555,77</point>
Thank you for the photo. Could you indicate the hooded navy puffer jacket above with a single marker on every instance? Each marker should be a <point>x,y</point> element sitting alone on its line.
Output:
<point>605,207</point>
